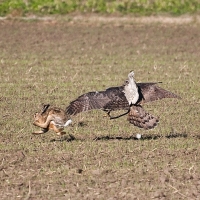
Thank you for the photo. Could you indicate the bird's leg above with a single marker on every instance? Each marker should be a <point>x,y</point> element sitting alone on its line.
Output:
<point>107,113</point>
<point>115,117</point>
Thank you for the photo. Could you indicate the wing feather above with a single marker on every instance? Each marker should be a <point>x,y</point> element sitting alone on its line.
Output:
<point>140,118</point>
<point>88,101</point>
<point>114,99</point>
<point>118,100</point>
<point>151,92</point>
<point>111,99</point>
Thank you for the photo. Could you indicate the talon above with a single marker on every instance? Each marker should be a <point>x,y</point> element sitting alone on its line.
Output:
<point>107,114</point>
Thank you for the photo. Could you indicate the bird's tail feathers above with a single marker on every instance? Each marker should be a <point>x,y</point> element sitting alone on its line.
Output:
<point>140,118</point>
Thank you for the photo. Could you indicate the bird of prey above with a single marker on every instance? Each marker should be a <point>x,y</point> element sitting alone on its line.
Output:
<point>130,97</point>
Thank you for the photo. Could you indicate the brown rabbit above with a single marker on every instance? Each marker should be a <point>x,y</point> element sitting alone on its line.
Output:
<point>53,118</point>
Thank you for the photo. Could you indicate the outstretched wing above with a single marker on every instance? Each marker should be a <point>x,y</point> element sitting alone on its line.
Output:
<point>151,92</point>
<point>110,99</point>
<point>140,118</point>
<point>88,101</point>
<point>117,98</point>
<point>114,99</point>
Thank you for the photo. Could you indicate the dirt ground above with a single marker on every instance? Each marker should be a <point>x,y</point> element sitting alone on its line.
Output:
<point>55,61</point>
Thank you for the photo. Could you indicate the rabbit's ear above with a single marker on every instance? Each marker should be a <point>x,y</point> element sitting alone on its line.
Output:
<point>45,107</point>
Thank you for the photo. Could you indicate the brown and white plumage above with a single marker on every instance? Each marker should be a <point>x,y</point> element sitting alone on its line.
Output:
<point>109,100</point>
<point>151,92</point>
<point>142,119</point>
<point>114,98</point>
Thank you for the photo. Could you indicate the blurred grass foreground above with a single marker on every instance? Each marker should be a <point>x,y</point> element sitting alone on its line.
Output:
<point>136,7</point>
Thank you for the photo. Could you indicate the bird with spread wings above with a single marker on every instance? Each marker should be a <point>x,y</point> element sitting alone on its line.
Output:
<point>130,97</point>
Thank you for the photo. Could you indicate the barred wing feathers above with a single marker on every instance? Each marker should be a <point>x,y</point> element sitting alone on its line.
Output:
<point>151,92</point>
<point>142,119</point>
<point>117,98</point>
<point>114,99</point>
<point>111,99</point>
<point>88,101</point>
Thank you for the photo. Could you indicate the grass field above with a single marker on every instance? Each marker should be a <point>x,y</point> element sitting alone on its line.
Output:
<point>134,7</point>
<point>55,62</point>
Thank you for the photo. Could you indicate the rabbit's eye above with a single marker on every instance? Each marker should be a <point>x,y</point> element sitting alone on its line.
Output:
<point>35,115</point>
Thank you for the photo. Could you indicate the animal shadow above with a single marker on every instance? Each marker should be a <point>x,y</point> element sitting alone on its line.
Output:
<point>144,137</point>
<point>67,138</point>
<point>71,138</point>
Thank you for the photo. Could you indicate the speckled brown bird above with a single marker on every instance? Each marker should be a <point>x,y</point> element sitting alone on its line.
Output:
<point>130,96</point>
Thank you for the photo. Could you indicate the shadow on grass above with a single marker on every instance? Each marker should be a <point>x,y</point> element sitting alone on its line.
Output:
<point>67,138</point>
<point>71,138</point>
<point>144,137</point>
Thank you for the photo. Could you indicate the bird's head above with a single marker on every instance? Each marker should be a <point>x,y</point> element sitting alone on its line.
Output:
<point>131,75</point>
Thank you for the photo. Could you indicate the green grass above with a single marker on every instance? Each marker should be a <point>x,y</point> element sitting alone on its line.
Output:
<point>55,62</point>
<point>136,7</point>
